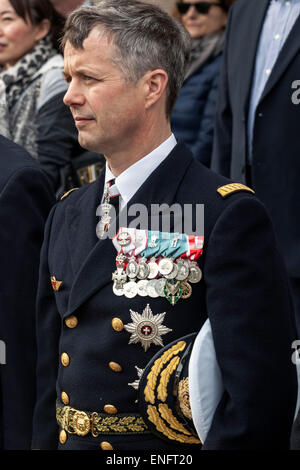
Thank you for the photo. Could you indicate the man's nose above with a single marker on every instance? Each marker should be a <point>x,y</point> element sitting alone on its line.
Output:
<point>73,96</point>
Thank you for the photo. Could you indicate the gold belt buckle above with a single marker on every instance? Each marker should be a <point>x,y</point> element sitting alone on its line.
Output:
<point>81,423</point>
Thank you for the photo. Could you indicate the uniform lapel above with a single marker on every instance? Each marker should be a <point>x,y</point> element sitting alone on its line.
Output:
<point>286,55</point>
<point>160,187</point>
<point>81,221</point>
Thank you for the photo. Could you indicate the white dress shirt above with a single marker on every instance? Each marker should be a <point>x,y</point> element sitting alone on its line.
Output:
<point>132,179</point>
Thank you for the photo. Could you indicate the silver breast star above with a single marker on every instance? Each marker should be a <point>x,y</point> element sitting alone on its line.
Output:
<point>147,328</point>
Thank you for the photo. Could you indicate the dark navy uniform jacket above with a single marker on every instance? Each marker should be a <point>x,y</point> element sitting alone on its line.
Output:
<point>244,292</point>
<point>25,202</point>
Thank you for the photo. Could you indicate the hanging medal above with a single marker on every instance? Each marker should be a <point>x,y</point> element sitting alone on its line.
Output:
<point>153,268</point>
<point>194,252</point>
<point>119,276</point>
<point>173,291</point>
<point>173,246</point>
<point>132,268</point>
<point>151,250</point>
<point>183,270</point>
<point>105,212</point>
<point>144,269</point>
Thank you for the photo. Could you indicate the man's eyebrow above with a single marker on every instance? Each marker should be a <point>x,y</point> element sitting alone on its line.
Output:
<point>86,71</point>
<point>81,72</point>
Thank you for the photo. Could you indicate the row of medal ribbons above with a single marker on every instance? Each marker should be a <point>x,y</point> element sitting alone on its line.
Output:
<point>149,243</point>
<point>156,264</point>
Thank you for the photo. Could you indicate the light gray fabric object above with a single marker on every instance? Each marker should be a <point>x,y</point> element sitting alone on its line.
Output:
<point>205,381</point>
<point>298,381</point>
<point>52,81</point>
<point>4,114</point>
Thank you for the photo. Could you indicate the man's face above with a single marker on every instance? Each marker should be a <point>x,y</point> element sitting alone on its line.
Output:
<point>108,111</point>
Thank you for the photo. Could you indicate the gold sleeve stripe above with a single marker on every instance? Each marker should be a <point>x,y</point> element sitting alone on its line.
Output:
<point>228,189</point>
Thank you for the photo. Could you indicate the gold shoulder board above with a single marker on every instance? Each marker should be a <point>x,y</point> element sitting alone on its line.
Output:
<point>67,193</point>
<point>228,189</point>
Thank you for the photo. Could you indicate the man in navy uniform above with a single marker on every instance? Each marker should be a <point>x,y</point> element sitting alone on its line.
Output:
<point>97,330</point>
<point>25,202</point>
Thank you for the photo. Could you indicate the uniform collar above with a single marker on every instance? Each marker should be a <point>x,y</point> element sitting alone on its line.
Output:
<point>132,179</point>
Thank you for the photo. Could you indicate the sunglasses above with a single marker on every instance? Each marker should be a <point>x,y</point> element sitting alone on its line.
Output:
<point>201,7</point>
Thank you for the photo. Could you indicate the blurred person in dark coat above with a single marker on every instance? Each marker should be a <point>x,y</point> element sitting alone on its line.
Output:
<point>193,115</point>
<point>257,128</point>
<point>32,112</point>
<point>25,200</point>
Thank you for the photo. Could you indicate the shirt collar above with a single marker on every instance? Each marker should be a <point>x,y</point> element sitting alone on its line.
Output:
<point>132,179</point>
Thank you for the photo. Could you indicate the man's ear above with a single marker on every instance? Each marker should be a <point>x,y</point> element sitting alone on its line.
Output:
<point>42,29</point>
<point>155,84</point>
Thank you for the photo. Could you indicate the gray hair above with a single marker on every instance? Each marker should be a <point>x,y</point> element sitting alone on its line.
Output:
<point>145,38</point>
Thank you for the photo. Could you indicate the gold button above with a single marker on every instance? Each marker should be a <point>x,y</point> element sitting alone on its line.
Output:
<point>115,367</point>
<point>106,446</point>
<point>65,360</point>
<point>117,324</point>
<point>71,321</point>
<point>63,437</point>
<point>110,409</point>
<point>65,398</point>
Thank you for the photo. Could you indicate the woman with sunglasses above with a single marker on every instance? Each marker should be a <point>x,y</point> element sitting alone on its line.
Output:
<point>193,114</point>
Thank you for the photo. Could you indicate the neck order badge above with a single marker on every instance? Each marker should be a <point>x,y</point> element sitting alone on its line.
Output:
<point>110,204</point>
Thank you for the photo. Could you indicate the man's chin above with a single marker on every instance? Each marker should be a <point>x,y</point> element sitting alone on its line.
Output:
<point>87,144</point>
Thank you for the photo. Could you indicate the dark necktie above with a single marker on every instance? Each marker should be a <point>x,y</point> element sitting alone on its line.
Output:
<point>114,196</point>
